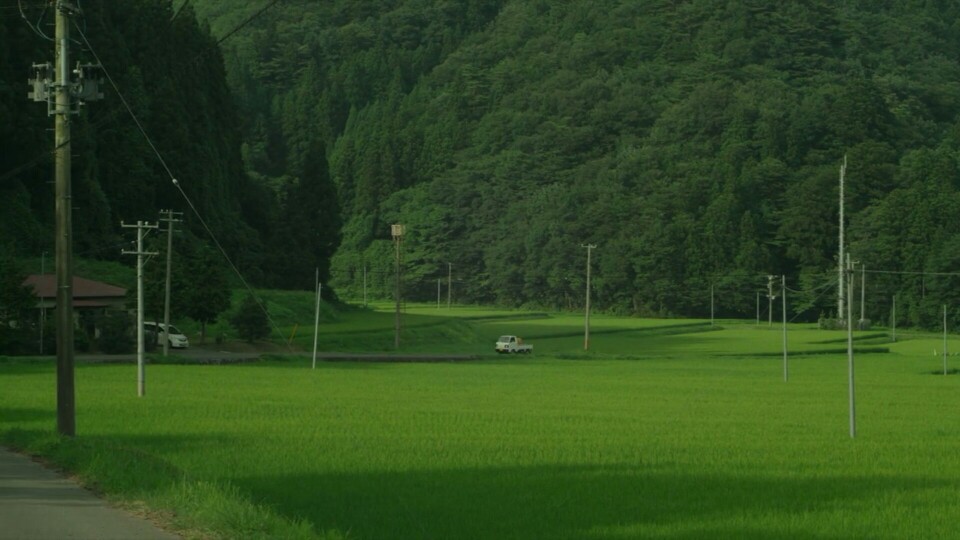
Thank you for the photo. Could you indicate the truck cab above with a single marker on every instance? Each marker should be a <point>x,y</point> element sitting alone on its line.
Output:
<point>512,344</point>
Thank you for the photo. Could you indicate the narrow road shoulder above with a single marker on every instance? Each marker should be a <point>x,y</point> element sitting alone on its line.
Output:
<point>36,502</point>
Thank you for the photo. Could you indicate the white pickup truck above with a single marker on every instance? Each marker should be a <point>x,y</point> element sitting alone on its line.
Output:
<point>512,344</point>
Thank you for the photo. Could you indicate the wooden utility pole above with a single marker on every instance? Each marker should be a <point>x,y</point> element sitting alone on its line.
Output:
<point>586,316</point>
<point>397,231</point>
<point>54,86</point>
<point>893,319</point>
<point>66,413</point>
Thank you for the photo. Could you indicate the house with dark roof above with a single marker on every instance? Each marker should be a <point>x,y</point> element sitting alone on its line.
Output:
<point>91,299</point>
<point>87,293</point>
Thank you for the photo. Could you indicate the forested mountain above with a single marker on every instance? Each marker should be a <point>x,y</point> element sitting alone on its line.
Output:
<point>170,71</point>
<point>172,75</point>
<point>697,143</point>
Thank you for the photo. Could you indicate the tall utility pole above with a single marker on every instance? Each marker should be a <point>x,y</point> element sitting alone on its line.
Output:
<point>316,319</point>
<point>770,297</point>
<point>841,262</point>
<point>64,226</point>
<point>783,298</point>
<point>449,282</point>
<point>863,294</point>
<point>850,371</point>
<point>944,339</point>
<point>893,319</point>
<point>141,226</point>
<point>397,231</point>
<point>586,317</point>
<point>58,93</point>
<point>170,219</point>
<point>711,304</point>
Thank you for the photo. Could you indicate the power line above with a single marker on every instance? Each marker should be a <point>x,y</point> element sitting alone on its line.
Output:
<point>248,21</point>
<point>828,284</point>
<point>35,28</point>
<point>235,29</point>
<point>903,272</point>
<point>47,154</point>
<point>123,100</point>
<point>44,155</point>
<point>177,13</point>
<point>813,302</point>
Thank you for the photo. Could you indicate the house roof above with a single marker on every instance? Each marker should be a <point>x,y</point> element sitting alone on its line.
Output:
<point>84,290</point>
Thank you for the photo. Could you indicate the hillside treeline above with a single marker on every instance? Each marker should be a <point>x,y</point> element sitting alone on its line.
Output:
<point>696,143</point>
<point>170,71</point>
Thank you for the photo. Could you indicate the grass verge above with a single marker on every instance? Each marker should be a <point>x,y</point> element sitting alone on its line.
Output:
<point>137,480</point>
<point>701,438</point>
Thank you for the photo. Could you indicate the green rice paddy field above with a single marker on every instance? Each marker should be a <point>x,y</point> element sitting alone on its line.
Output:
<point>665,429</point>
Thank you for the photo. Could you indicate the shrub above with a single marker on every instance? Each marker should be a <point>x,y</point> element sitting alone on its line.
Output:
<point>116,333</point>
<point>251,320</point>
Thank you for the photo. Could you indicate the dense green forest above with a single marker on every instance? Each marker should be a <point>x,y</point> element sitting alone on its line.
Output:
<point>172,76</point>
<point>697,143</point>
<point>169,69</point>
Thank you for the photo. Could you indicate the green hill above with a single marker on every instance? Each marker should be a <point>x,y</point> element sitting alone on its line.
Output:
<point>695,142</point>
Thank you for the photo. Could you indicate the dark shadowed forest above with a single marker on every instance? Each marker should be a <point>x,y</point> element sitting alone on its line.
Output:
<point>697,144</point>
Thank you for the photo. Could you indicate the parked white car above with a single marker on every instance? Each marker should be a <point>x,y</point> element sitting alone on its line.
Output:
<point>177,338</point>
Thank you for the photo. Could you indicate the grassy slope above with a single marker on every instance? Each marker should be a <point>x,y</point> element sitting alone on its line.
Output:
<point>656,435</point>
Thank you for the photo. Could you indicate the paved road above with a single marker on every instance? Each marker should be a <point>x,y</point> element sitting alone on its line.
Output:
<point>188,356</point>
<point>207,356</point>
<point>36,503</point>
